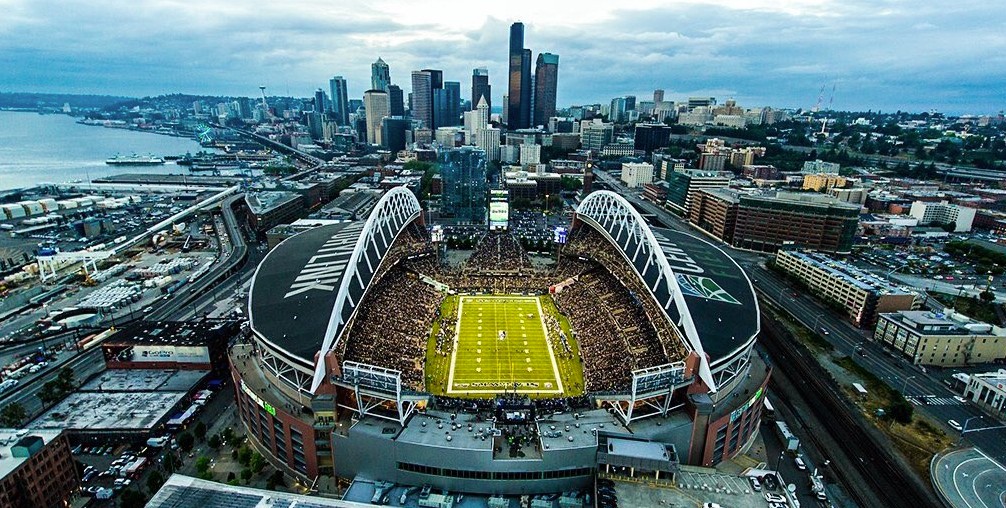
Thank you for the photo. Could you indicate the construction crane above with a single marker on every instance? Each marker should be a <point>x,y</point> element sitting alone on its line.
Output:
<point>820,99</point>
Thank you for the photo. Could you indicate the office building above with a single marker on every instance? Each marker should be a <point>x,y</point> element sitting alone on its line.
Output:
<point>617,111</point>
<point>651,136</point>
<point>823,182</point>
<point>519,89</point>
<point>682,186</point>
<point>488,139</point>
<point>422,98</point>
<point>947,339</point>
<point>701,102</point>
<point>658,96</point>
<point>376,104</point>
<point>961,217</point>
<point>380,75</point>
<point>767,222</point>
<point>340,100</point>
<point>863,295</point>
<point>393,133</point>
<point>988,390</point>
<point>319,101</point>
<point>396,103</point>
<point>447,105</point>
<point>635,174</point>
<point>463,172</point>
<point>596,135</point>
<point>546,76</point>
<point>36,469</point>
<point>530,154</point>
<point>481,87</point>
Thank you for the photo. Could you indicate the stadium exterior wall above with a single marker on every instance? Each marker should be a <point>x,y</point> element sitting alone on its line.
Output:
<point>275,435</point>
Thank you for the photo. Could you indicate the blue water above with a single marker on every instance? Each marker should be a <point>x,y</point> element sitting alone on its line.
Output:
<point>38,149</point>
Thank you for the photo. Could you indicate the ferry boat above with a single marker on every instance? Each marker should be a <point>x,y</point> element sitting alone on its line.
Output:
<point>135,160</point>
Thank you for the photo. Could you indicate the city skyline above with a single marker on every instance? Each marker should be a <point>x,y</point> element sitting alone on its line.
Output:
<point>879,56</point>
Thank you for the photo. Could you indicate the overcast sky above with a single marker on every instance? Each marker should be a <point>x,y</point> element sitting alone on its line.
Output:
<point>878,54</point>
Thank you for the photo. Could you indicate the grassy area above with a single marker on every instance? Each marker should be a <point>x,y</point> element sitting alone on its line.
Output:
<point>917,441</point>
<point>501,345</point>
<point>813,340</point>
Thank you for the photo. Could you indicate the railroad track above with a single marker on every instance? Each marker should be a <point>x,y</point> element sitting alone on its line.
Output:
<point>889,482</point>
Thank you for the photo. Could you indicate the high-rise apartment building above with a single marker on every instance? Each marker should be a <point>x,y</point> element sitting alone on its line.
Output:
<point>481,87</point>
<point>519,90</point>
<point>546,76</point>
<point>376,104</point>
<point>339,99</point>
<point>380,75</point>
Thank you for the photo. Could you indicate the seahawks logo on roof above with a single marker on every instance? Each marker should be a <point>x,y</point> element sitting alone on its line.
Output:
<point>704,287</point>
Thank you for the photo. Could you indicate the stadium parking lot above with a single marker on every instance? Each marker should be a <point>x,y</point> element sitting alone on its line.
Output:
<point>692,489</point>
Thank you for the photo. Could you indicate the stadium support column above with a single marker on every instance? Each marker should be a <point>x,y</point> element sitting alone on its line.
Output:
<point>702,409</point>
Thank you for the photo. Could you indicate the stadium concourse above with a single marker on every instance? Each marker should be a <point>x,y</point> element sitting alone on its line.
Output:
<point>498,375</point>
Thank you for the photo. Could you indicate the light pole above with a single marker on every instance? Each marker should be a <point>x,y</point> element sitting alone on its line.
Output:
<point>964,428</point>
<point>904,389</point>
<point>779,460</point>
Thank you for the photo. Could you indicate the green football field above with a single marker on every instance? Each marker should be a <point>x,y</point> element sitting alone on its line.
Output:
<point>501,346</point>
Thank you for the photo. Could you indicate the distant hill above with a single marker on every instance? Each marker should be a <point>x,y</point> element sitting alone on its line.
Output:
<point>56,100</point>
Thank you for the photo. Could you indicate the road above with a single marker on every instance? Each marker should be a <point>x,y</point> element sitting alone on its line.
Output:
<point>917,384</point>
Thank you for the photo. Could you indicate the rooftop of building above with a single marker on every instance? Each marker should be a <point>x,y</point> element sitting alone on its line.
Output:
<point>11,438</point>
<point>949,322</point>
<point>180,490</point>
<point>175,333</point>
<point>849,273</point>
<point>144,380</point>
<point>263,202</point>
<point>110,411</point>
<point>997,377</point>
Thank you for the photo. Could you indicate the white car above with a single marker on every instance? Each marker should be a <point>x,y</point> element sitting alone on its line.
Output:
<point>954,425</point>
<point>960,399</point>
<point>774,498</point>
<point>800,464</point>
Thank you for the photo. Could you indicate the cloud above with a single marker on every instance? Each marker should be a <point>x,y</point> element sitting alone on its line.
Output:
<point>879,54</point>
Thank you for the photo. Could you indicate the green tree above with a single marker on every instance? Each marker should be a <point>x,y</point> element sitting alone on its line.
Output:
<point>987,296</point>
<point>185,441</point>
<point>245,455</point>
<point>275,480</point>
<point>901,411</point>
<point>199,430</point>
<point>246,474</point>
<point>132,499</point>
<point>202,464</point>
<point>228,436</point>
<point>169,462</point>
<point>12,415</point>
<point>154,481</point>
<point>257,462</point>
<point>214,441</point>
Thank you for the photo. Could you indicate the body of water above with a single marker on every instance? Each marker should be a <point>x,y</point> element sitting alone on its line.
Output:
<point>38,149</point>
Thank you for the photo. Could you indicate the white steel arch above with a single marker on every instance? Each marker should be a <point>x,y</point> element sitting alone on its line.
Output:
<point>395,210</point>
<point>625,228</point>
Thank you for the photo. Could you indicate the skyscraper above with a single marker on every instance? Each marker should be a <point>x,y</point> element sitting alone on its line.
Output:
<point>339,99</point>
<point>395,98</point>
<point>546,77</point>
<point>319,101</point>
<point>519,90</point>
<point>422,98</point>
<point>480,87</point>
<point>447,104</point>
<point>376,104</point>
<point>380,75</point>
<point>463,172</point>
<point>658,95</point>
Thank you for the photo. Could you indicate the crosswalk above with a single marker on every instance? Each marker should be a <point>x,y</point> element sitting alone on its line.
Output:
<point>932,400</point>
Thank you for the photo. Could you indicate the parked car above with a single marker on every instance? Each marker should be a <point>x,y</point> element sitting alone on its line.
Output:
<point>800,464</point>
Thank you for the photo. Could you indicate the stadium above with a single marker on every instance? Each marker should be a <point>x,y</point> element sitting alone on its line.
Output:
<point>376,352</point>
